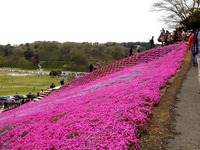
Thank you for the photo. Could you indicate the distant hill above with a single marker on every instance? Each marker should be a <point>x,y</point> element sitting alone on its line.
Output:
<point>69,56</point>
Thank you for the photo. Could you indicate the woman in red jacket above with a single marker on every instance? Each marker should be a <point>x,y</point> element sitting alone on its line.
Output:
<point>190,44</point>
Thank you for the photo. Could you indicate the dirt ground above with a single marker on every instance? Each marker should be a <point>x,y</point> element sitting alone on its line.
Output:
<point>161,127</point>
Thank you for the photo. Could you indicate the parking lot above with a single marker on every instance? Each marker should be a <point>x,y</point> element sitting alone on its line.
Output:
<point>10,102</point>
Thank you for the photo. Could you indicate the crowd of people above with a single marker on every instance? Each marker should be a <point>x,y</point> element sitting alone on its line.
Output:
<point>191,37</point>
<point>165,37</point>
<point>176,35</point>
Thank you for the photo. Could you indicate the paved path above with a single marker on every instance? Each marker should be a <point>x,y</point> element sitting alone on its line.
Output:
<point>187,124</point>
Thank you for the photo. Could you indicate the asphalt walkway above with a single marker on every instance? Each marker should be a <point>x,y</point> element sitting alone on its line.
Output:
<point>187,118</point>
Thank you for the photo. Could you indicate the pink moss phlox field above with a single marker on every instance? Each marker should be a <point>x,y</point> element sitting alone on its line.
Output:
<point>97,111</point>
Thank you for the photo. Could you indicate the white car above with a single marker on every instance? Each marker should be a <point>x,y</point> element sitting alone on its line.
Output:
<point>7,98</point>
<point>10,98</point>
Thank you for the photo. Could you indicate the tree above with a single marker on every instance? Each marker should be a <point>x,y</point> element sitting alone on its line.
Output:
<point>27,44</point>
<point>17,53</point>
<point>8,49</point>
<point>193,21</point>
<point>28,54</point>
<point>176,11</point>
<point>65,50</point>
<point>1,61</point>
<point>23,63</point>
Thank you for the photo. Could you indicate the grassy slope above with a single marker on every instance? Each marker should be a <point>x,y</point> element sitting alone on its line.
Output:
<point>9,85</point>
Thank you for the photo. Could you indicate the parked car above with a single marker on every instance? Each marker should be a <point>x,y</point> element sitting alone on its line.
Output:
<point>7,98</point>
<point>3,98</point>
<point>63,74</point>
<point>31,96</point>
<point>10,98</point>
<point>18,97</point>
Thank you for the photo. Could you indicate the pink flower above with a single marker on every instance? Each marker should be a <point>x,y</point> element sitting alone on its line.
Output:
<point>101,110</point>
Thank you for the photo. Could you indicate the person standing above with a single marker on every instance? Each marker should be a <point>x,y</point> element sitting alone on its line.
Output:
<point>196,49</point>
<point>41,92</point>
<point>131,51</point>
<point>169,38</point>
<point>138,48</point>
<point>166,37</point>
<point>62,82</point>
<point>190,44</point>
<point>161,37</point>
<point>52,85</point>
<point>5,105</point>
<point>152,42</point>
<point>97,65</point>
<point>91,67</point>
<point>175,36</point>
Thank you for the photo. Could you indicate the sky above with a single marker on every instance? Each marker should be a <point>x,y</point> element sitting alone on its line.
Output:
<point>26,21</point>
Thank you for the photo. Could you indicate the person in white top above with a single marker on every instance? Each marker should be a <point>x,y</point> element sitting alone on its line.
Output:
<point>138,47</point>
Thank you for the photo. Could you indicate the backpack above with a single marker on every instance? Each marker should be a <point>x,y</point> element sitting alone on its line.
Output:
<point>196,44</point>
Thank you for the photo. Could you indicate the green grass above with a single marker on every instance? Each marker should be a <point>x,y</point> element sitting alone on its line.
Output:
<point>22,85</point>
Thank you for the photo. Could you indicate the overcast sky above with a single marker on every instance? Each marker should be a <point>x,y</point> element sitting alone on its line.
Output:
<point>26,21</point>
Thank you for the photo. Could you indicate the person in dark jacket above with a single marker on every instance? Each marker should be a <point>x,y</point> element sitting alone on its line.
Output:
<point>52,85</point>
<point>62,82</point>
<point>91,67</point>
<point>152,42</point>
<point>131,51</point>
<point>5,105</point>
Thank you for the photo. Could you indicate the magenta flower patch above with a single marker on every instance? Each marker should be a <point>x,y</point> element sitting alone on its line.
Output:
<point>105,109</point>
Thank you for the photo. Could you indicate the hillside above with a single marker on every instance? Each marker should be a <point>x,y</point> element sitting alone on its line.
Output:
<point>105,109</point>
<point>69,56</point>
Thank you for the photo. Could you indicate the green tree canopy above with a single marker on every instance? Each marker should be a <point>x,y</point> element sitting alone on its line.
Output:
<point>54,55</point>
<point>176,11</point>
<point>193,21</point>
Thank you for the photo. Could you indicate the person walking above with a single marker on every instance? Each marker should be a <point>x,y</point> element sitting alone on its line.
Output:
<point>196,50</point>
